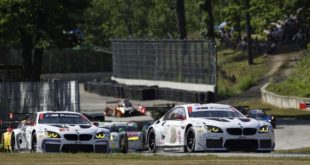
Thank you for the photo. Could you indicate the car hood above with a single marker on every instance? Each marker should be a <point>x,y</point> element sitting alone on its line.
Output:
<point>230,122</point>
<point>71,128</point>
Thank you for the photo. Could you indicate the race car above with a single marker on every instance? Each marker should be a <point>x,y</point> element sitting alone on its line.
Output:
<point>260,114</point>
<point>60,131</point>
<point>124,108</point>
<point>209,127</point>
<point>124,133</point>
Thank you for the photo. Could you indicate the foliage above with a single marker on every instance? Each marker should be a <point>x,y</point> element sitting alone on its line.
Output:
<point>45,18</point>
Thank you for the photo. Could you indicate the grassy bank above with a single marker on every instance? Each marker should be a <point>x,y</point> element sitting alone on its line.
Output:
<point>278,112</point>
<point>133,159</point>
<point>234,73</point>
<point>297,84</point>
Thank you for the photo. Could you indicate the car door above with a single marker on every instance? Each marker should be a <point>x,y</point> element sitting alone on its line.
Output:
<point>174,127</point>
<point>20,136</point>
<point>27,130</point>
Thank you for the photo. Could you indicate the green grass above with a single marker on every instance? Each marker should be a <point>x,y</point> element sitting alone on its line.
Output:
<point>295,151</point>
<point>297,84</point>
<point>234,73</point>
<point>134,159</point>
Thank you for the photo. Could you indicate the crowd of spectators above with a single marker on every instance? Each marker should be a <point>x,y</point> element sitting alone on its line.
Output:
<point>279,33</point>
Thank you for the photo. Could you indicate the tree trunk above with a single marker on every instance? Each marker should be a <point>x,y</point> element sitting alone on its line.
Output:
<point>210,23</point>
<point>27,48</point>
<point>181,18</point>
<point>37,64</point>
<point>248,30</point>
<point>238,21</point>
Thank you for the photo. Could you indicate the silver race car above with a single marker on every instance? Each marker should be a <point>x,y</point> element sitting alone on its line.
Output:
<point>124,136</point>
<point>213,127</point>
<point>60,131</point>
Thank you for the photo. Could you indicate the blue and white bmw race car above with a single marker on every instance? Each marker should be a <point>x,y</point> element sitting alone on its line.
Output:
<point>60,131</point>
<point>214,127</point>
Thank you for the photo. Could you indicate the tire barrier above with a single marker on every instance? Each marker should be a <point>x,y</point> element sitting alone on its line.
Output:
<point>147,92</point>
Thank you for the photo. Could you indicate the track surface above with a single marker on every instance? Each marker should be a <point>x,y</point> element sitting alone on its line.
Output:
<point>289,134</point>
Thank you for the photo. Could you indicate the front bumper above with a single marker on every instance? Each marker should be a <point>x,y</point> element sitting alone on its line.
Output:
<point>239,144</point>
<point>226,142</point>
<point>57,145</point>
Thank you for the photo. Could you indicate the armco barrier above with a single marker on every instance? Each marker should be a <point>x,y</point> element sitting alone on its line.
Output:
<point>147,92</point>
<point>282,101</point>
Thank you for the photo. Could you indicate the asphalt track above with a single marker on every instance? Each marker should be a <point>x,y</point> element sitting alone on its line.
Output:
<point>289,134</point>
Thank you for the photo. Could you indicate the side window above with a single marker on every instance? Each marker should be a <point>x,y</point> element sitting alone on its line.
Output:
<point>176,114</point>
<point>180,114</point>
<point>168,114</point>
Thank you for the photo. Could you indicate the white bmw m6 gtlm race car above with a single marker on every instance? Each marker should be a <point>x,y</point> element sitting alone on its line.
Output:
<point>209,127</point>
<point>60,132</point>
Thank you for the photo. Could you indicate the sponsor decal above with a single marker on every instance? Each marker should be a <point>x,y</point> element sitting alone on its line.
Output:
<point>211,108</point>
<point>133,138</point>
<point>173,135</point>
<point>200,131</point>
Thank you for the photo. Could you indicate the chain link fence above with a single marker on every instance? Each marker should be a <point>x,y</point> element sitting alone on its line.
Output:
<point>29,97</point>
<point>165,60</point>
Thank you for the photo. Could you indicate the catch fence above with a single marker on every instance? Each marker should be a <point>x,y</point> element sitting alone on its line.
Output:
<point>184,61</point>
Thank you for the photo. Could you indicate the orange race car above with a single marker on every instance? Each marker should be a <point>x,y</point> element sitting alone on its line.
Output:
<point>124,108</point>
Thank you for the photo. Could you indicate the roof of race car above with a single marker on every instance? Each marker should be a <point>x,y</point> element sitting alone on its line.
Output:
<point>59,112</point>
<point>211,106</point>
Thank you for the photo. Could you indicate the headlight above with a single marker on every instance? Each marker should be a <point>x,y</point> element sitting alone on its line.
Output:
<point>213,129</point>
<point>51,134</point>
<point>100,135</point>
<point>263,129</point>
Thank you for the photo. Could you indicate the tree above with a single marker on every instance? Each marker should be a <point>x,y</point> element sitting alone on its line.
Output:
<point>180,9</point>
<point>207,7</point>
<point>248,31</point>
<point>35,25</point>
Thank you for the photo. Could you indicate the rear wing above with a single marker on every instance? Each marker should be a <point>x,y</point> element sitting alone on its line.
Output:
<point>14,118</point>
<point>95,116</point>
<point>107,123</point>
<point>117,101</point>
<point>112,102</point>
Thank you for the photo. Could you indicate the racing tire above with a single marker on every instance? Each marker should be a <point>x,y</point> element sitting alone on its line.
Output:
<point>12,143</point>
<point>190,140</point>
<point>124,144</point>
<point>151,141</point>
<point>34,143</point>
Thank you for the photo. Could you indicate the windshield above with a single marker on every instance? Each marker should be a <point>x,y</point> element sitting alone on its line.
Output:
<point>214,113</point>
<point>258,116</point>
<point>62,118</point>
<point>127,104</point>
<point>123,128</point>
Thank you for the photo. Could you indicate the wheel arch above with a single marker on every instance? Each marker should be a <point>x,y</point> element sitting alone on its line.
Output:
<point>147,134</point>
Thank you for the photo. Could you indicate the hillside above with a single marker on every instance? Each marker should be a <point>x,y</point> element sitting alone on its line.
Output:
<point>297,83</point>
